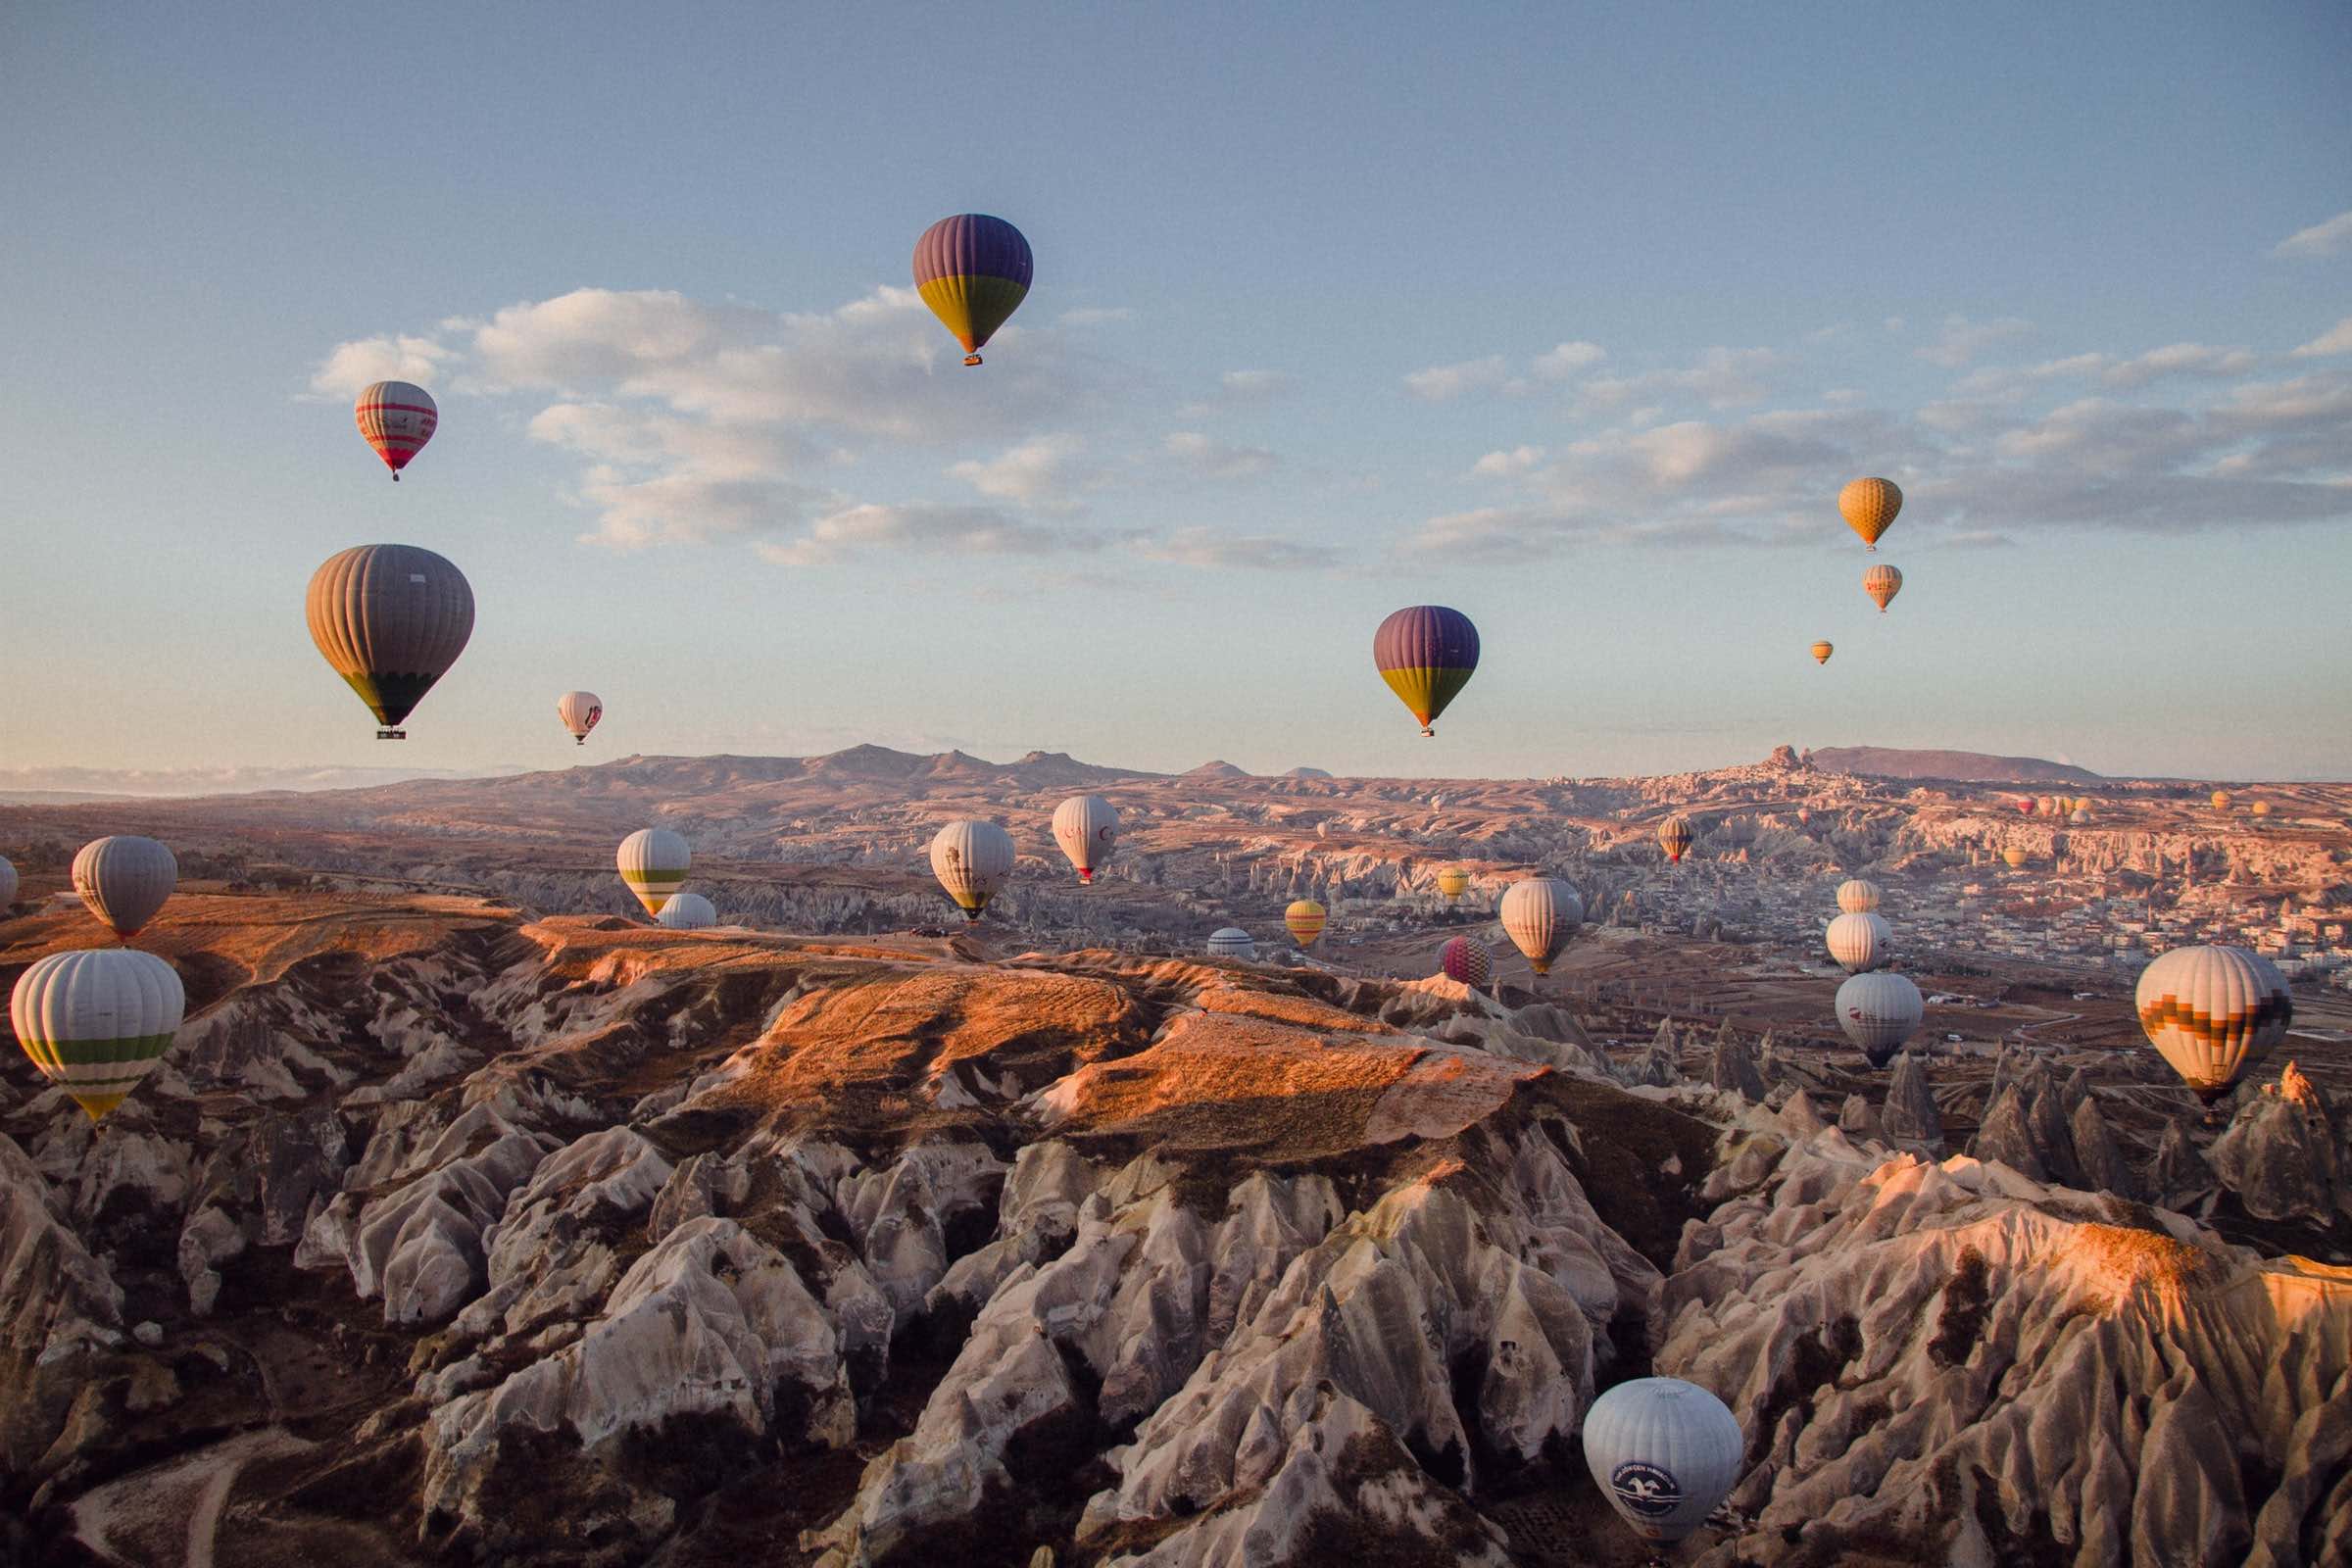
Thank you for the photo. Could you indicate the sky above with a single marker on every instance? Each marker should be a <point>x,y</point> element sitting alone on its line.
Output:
<point>1575,318</point>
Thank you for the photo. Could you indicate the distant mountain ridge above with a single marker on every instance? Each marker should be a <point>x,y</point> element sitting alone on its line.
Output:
<point>1966,768</point>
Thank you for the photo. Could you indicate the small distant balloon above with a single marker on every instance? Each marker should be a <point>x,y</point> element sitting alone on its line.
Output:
<point>124,880</point>
<point>397,418</point>
<point>2220,799</point>
<point>973,860</point>
<point>1881,583</point>
<point>1822,651</point>
<point>2260,809</point>
<point>579,711</point>
<point>1869,505</point>
<point>1303,919</point>
<point>687,912</point>
<point>1427,654</point>
<point>973,270</point>
<point>1857,897</point>
<point>2015,857</point>
<point>1453,882</point>
<point>1088,831</point>
<point>1673,837</point>
<point>8,883</point>
<point>1231,943</point>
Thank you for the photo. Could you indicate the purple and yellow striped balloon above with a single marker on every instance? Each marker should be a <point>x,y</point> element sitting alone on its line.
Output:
<point>973,270</point>
<point>1427,654</point>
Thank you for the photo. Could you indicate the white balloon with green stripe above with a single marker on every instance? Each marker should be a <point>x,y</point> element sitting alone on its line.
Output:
<point>652,861</point>
<point>96,1022</point>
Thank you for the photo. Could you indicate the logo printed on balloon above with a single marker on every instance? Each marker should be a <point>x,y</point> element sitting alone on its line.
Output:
<point>1646,1489</point>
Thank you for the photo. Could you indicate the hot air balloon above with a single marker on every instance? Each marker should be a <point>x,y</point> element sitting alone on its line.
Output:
<point>2260,808</point>
<point>1881,583</point>
<point>1674,835</point>
<point>1879,1009</point>
<point>397,418</point>
<point>973,270</point>
<point>95,1023</point>
<point>124,880</point>
<point>8,883</point>
<point>1822,651</point>
<point>1869,505</point>
<point>687,912</point>
<point>1467,961</point>
<point>1453,883</point>
<point>1860,941</point>
<point>1305,919</point>
<point>2220,799</point>
<point>2079,816</point>
<point>1427,654</point>
<point>1088,831</point>
<point>1539,915</point>
<point>652,861</point>
<point>972,859</point>
<point>579,711</point>
<point>1857,897</point>
<point>2212,1013</point>
<point>1664,1452</point>
<point>2026,806</point>
<point>2015,856</point>
<point>2047,806</point>
<point>1231,943</point>
<point>391,619</point>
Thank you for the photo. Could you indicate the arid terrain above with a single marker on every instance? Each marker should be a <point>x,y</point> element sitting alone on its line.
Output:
<point>473,1220</point>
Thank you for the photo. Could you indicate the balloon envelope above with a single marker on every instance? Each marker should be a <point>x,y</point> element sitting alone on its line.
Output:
<point>1453,883</point>
<point>1467,960</point>
<point>1857,897</point>
<point>2016,858</point>
<point>1427,654</point>
<point>391,619</point>
<point>8,883</point>
<point>2220,799</point>
<point>1822,651</point>
<point>2212,1013</point>
<point>1869,505</point>
<point>652,861</point>
<point>687,912</point>
<point>1878,1010</point>
<point>1539,914</point>
<point>1881,583</point>
<point>95,1023</point>
<point>973,270</point>
<point>972,859</point>
<point>1231,943</point>
<point>1305,920</point>
<point>1664,1452</point>
<point>1674,835</point>
<point>124,880</point>
<point>1088,831</point>
<point>579,711</point>
<point>397,418</point>
<point>1860,941</point>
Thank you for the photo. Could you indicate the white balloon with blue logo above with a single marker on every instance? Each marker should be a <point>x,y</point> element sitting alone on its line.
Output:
<point>1664,1452</point>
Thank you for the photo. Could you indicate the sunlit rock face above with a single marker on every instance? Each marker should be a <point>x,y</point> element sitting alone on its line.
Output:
<point>571,1239</point>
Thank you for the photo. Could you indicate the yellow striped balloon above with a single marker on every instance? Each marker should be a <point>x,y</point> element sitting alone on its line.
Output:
<point>1822,651</point>
<point>2220,799</point>
<point>1674,836</point>
<point>2212,1013</point>
<point>1869,505</point>
<point>1304,918</point>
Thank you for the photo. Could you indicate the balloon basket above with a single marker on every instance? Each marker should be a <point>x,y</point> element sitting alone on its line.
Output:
<point>391,734</point>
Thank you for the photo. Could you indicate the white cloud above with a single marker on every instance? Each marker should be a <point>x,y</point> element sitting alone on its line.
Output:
<point>1217,460</point>
<point>919,527</point>
<point>1961,339</point>
<point>2338,339</point>
<point>1722,378</point>
<point>1441,383</point>
<point>1568,358</point>
<point>1042,472</point>
<point>1254,386</point>
<point>2192,360</point>
<point>2320,239</point>
<point>353,365</point>
<point>1508,464</point>
<point>1210,550</point>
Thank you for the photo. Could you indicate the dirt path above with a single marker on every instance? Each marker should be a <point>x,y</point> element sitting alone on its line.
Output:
<point>171,1511</point>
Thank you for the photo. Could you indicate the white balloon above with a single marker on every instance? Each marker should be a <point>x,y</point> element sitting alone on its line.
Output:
<point>97,1022</point>
<point>687,912</point>
<point>2212,1013</point>
<point>1088,831</point>
<point>579,711</point>
<point>972,859</point>
<point>8,883</point>
<point>124,880</point>
<point>1231,943</point>
<point>653,862</point>
<point>1860,941</point>
<point>1878,1010</point>
<point>1857,897</point>
<point>1664,1452</point>
<point>1539,914</point>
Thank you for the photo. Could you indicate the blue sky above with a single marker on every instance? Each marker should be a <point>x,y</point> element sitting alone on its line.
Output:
<point>1571,317</point>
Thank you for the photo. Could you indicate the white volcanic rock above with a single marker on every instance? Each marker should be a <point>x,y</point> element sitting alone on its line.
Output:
<point>60,1310</point>
<point>1859,1120</point>
<point>554,1252</point>
<point>711,1321</point>
<point>2179,1178</point>
<point>1731,1068</point>
<point>420,1246</point>
<point>2281,1156</point>
<point>1910,1114</point>
<point>2104,1168</point>
<point>899,1216</point>
<point>1037,1216</point>
<point>133,1177</point>
<point>210,1237</point>
<point>1945,1362</point>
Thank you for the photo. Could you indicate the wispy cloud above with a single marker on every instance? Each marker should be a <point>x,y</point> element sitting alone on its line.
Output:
<point>2321,239</point>
<point>1507,464</point>
<point>920,528</point>
<point>1212,459</point>
<point>1047,471</point>
<point>1722,378</point>
<point>1961,340</point>
<point>2338,339</point>
<point>355,365</point>
<point>1212,549</point>
<point>1442,383</point>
